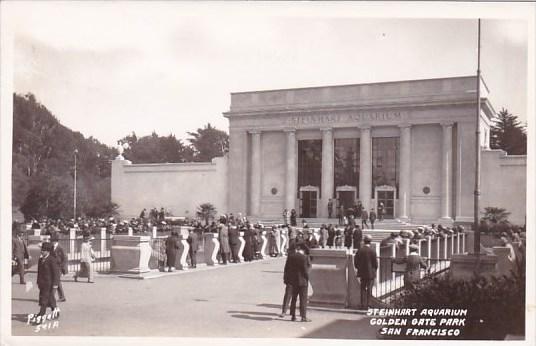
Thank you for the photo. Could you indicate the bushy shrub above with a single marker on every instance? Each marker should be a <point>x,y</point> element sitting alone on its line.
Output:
<point>495,306</point>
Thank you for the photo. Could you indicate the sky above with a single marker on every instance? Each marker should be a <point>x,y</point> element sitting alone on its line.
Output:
<point>109,68</point>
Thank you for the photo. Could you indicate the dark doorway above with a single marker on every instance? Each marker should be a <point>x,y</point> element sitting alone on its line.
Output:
<point>346,199</point>
<point>308,204</point>
<point>388,200</point>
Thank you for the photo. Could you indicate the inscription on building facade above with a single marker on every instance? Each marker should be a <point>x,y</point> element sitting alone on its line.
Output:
<point>321,119</point>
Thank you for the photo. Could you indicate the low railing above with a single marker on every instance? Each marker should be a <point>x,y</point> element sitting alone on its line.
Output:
<point>101,248</point>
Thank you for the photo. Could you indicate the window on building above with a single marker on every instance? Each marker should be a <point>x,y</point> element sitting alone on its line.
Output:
<point>385,154</point>
<point>347,162</point>
<point>310,163</point>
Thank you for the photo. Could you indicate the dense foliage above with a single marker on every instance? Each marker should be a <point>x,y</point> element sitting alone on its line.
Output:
<point>508,134</point>
<point>43,161</point>
<point>43,165</point>
<point>496,305</point>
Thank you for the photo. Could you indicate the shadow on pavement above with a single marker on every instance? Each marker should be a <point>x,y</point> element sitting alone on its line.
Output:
<point>248,317</point>
<point>272,271</point>
<point>26,300</point>
<point>19,317</point>
<point>253,313</point>
<point>271,306</point>
<point>344,329</point>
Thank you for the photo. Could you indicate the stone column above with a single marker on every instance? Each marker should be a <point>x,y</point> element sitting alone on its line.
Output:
<point>365,167</point>
<point>404,193</point>
<point>327,171</point>
<point>446,173</point>
<point>290,184</point>
<point>255,173</point>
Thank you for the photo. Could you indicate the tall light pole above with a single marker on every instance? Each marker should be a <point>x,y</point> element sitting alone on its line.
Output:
<point>477,158</point>
<point>74,190</point>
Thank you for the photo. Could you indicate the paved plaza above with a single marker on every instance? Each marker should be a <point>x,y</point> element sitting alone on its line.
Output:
<point>237,300</point>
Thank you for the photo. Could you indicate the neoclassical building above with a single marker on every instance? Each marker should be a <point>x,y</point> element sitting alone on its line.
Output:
<point>408,144</point>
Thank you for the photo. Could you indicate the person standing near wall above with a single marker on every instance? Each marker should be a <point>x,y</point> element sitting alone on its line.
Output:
<point>193,241</point>
<point>172,247</point>
<point>366,263</point>
<point>414,263</point>
<point>330,208</point>
<point>357,237</point>
<point>20,254</point>
<point>234,243</point>
<point>223,236</point>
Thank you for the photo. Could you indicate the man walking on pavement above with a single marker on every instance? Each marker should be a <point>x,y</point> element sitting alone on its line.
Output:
<point>62,260</point>
<point>297,275</point>
<point>365,262</point>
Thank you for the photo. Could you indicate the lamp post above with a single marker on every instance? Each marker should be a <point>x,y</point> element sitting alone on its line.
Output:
<point>477,153</point>
<point>74,190</point>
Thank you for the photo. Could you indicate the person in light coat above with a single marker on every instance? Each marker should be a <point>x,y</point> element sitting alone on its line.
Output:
<point>87,256</point>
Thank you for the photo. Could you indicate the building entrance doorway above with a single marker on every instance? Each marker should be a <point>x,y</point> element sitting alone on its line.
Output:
<point>386,196</point>
<point>346,196</point>
<point>308,201</point>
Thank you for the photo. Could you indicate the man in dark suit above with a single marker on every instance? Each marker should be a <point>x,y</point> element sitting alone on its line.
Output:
<point>357,237</point>
<point>234,243</point>
<point>365,261</point>
<point>193,241</point>
<point>297,275</point>
<point>372,217</point>
<point>19,253</point>
<point>364,218</point>
<point>62,260</point>
<point>48,278</point>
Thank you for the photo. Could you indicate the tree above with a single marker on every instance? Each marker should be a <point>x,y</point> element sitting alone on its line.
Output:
<point>208,143</point>
<point>496,215</point>
<point>508,134</point>
<point>206,211</point>
<point>156,149</point>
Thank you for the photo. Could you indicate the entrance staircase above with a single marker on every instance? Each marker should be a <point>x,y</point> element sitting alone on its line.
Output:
<point>386,224</point>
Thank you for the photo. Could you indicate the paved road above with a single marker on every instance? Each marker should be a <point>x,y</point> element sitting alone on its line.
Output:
<point>233,301</point>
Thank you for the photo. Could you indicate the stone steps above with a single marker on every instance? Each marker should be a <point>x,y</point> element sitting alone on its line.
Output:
<point>386,224</point>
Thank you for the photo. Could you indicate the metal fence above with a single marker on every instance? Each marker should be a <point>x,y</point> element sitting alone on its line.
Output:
<point>390,277</point>
<point>101,248</point>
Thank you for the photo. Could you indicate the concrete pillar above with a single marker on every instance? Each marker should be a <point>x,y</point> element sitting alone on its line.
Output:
<point>327,171</point>
<point>212,245</point>
<point>255,173</point>
<point>365,167</point>
<point>446,173</point>
<point>242,246</point>
<point>130,231</point>
<point>130,254</point>
<point>406,247</point>
<point>291,177</point>
<point>376,248</point>
<point>404,200</point>
<point>284,241</point>
<point>155,233</point>
<point>103,241</point>
<point>264,244</point>
<point>182,253</point>
<point>72,241</point>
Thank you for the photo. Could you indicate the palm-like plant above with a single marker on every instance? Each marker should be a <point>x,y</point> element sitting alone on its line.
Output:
<point>496,215</point>
<point>206,211</point>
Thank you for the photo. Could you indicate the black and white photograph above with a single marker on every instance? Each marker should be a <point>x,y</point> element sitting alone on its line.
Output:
<point>267,172</point>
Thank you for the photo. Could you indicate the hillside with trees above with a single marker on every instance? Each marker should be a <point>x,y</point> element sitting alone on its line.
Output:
<point>43,161</point>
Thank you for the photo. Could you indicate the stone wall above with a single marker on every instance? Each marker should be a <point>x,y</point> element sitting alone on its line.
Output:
<point>504,183</point>
<point>178,187</point>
